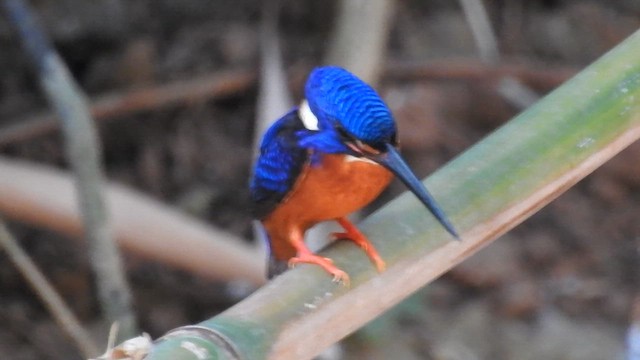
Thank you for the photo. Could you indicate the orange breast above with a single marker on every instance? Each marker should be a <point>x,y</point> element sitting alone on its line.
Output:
<point>336,187</point>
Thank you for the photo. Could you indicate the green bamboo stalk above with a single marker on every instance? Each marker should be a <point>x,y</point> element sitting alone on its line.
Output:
<point>486,191</point>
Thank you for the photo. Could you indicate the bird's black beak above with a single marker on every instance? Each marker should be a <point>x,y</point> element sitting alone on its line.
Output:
<point>392,160</point>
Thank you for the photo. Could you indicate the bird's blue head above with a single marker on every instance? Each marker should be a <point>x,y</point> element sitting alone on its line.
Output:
<point>344,113</point>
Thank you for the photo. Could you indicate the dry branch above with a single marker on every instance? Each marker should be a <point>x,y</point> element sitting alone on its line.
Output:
<point>120,104</point>
<point>470,70</point>
<point>226,83</point>
<point>45,197</point>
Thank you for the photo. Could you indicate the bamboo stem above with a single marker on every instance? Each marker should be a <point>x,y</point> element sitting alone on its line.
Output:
<point>486,191</point>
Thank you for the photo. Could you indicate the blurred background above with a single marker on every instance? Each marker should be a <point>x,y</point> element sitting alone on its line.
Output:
<point>563,285</point>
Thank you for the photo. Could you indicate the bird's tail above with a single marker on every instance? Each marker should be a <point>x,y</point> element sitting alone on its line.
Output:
<point>275,266</point>
<point>280,251</point>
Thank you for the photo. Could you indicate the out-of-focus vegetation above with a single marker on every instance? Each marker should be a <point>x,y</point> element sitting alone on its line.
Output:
<point>562,285</point>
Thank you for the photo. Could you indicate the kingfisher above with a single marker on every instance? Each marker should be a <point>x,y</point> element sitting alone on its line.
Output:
<point>328,157</point>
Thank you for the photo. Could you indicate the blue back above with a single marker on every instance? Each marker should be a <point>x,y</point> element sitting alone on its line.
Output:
<point>279,164</point>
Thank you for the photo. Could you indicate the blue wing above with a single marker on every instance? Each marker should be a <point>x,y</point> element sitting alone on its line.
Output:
<point>279,164</point>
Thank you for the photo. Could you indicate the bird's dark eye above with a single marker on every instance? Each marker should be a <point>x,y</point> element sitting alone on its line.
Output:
<point>358,146</point>
<point>367,149</point>
<point>344,135</point>
<point>349,140</point>
<point>394,140</point>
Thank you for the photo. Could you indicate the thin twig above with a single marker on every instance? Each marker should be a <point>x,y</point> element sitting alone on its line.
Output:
<point>511,89</point>
<point>47,294</point>
<point>83,152</point>
<point>359,41</point>
<point>478,20</point>
<point>472,70</point>
<point>115,105</point>
<point>227,83</point>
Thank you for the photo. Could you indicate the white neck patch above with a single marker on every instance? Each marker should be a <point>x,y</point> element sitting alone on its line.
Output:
<point>309,120</point>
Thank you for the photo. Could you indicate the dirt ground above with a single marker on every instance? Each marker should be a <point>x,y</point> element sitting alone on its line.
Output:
<point>560,286</point>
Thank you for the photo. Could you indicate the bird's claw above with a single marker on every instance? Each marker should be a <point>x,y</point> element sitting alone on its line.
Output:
<point>325,263</point>
<point>362,241</point>
<point>379,263</point>
<point>340,276</point>
<point>364,245</point>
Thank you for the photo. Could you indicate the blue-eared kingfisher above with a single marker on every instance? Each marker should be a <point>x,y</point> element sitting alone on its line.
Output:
<point>325,159</point>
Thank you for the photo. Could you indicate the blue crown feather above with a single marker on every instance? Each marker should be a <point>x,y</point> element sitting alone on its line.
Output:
<point>337,97</point>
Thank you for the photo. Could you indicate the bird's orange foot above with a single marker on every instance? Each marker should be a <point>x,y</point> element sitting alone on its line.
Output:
<point>352,233</point>
<point>325,263</point>
<point>364,244</point>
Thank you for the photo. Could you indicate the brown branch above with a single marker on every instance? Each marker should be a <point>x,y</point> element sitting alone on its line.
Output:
<point>472,70</point>
<point>227,83</point>
<point>45,197</point>
<point>114,105</point>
